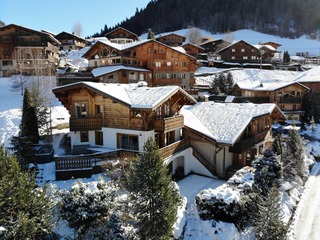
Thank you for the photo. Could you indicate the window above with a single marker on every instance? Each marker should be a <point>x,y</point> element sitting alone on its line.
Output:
<point>132,76</point>
<point>84,136</point>
<point>159,112</point>
<point>167,110</point>
<point>242,50</point>
<point>81,109</point>
<point>233,57</point>
<point>98,109</point>
<point>183,64</point>
<point>110,76</point>
<point>233,50</point>
<point>253,57</point>
<point>141,77</point>
<point>168,64</point>
<point>7,63</point>
<point>158,64</point>
<point>245,57</point>
<point>99,137</point>
<point>130,142</point>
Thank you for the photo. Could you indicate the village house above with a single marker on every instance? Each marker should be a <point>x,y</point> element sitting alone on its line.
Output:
<point>310,79</point>
<point>192,49</point>
<point>287,95</point>
<point>146,60</point>
<point>25,51</point>
<point>71,41</point>
<point>205,138</point>
<point>121,35</point>
<point>171,39</point>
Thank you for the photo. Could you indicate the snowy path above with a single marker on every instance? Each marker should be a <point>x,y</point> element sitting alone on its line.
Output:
<point>306,219</point>
<point>193,230</point>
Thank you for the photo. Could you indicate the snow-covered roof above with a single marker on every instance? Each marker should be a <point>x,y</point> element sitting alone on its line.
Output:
<point>312,75</point>
<point>229,46</point>
<point>223,122</point>
<point>269,85</point>
<point>259,46</point>
<point>113,68</point>
<point>134,95</point>
<point>180,49</point>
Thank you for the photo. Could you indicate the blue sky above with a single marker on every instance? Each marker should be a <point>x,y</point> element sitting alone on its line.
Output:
<point>61,15</point>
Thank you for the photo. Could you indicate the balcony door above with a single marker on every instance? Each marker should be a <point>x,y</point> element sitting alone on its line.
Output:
<point>81,109</point>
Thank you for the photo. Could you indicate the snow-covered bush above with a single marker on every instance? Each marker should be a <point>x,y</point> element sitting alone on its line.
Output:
<point>87,204</point>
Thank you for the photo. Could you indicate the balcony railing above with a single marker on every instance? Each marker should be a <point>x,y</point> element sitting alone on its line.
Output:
<point>86,123</point>
<point>243,145</point>
<point>252,99</point>
<point>173,148</point>
<point>168,124</point>
<point>290,100</point>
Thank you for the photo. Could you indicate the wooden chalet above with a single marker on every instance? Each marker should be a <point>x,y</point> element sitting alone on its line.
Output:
<point>71,41</point>
<point>171,39</point>
<point>273,44</point>
<point>121,117</point>
<point>192,49</point>
<point>211,45</point>
<point>25,51</point>
<point>229,135</point>
<point>121,35</point>
<point>240,52</point>
<point>287,95</point>
<point>160,65</point>
<point>310,79</point>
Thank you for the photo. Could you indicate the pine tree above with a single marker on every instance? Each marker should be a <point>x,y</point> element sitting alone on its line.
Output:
<point>267,217</point>
<point>293,164</point>
<point>229,83</point>
<point>286,57</point>
<point>155,201</point>
<point>29,122</point>
<point>25,209</point>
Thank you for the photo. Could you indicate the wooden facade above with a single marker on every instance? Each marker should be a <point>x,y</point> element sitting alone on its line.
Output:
<point>121,35</point>
<point>167,65</point>
<point>171,39</point>
<point>192,49</point>
<point>25,51</point>
<point>241,52</point>
<point>70,41</point>
<point>288,98</point>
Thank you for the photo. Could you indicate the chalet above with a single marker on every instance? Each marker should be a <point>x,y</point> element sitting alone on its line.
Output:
<point>272,44</point>
<point>240,52</point>
<point>24,50</point>
<point>228,136</point>
<point>268,53</point>
<point>310,79</point>
<point>205,138</point>
<point>286,94</point>
<point>192,49</point>
<point>121,35</point>
<point>123,117</point>
<point>211,45</point>
<point>71,41</point>
<point>166,65</point>
<point>171,39</point>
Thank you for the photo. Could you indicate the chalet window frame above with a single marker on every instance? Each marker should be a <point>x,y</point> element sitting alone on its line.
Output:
<point>128,141</point>
<point>80,109</point>
<point>84,136</point>
<point>98,138</point>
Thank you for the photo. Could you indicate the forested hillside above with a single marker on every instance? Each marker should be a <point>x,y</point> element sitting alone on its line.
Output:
<point>286,18</point>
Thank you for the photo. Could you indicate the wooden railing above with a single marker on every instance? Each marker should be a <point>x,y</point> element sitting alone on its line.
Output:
<point>168,124</point>
<point>86,123</point>
<point>203,161</point>
<point>75,163</point>
<point>243,145</point>
<point>252,99</point>
<point>290,100</point>
<point>173,148</point>
<point>167,81</point>
<point>261,136</point>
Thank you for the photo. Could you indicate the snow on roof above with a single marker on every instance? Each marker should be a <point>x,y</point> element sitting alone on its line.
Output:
<point>312,75</point>
<point>223,122</point>
<point>134,95</point>
<point>180,49</point>
<point>113,68</point>
<point>259,46</point>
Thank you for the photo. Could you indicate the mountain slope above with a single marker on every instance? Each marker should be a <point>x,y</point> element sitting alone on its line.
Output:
<point>289,18</point>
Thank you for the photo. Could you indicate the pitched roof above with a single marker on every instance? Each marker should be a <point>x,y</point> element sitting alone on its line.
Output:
<point>133,95</point>
<point>121,28</point>
<point>71,35</point>
<point>269,85</point>
<point>229,46</point>
<point>224,122</point>
<point>312,75</point>
<point>46,34</point>
<point>113,68</point>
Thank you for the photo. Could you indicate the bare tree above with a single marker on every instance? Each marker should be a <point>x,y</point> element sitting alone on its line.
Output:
<point>194,35</point>
<point>77,29</point>
<point>230,37</point>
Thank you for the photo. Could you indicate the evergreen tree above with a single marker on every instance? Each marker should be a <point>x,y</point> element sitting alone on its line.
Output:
<point>25,209</point>
<point>286,57</point>
<point>150,34</point>
<point>229,84</point>
<point>277,145</point>
<point>155,201</point>
<point>292,157</point>
<point>267,217</point>
<point>29,122</point>
<point>222,84</point>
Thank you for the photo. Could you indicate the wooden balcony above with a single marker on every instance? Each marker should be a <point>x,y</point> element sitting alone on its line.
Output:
<point>290,100</point>
<point>173,148</point>
<point>86,123</point>
<point>252,99</point>
<point>168,124</point>
<point>261,136</point>
<point>167,81</point>
<point>243,145</point>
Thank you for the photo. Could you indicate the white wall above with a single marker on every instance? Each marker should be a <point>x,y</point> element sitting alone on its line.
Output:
<point>110,137</point>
